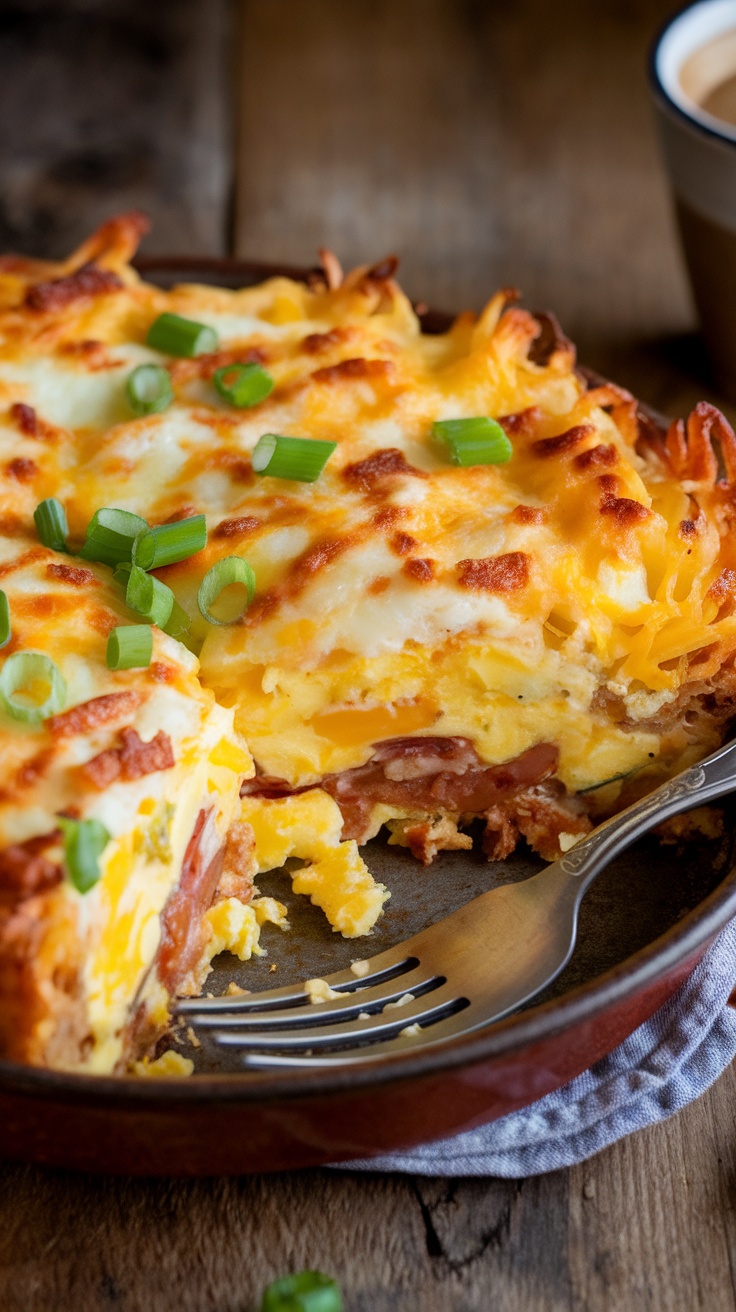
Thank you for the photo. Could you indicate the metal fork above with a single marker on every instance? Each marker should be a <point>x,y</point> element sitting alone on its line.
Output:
<point>470,969</point>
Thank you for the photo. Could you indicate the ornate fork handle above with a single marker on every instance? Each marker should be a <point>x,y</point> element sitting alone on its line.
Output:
<point>702,783</point>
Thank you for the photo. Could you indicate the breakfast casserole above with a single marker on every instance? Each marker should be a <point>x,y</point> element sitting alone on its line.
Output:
<point>280,571</point>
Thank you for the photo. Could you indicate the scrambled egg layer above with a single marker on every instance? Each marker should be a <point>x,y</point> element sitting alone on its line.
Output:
<point>335,877</point>
<point>170,1065</point>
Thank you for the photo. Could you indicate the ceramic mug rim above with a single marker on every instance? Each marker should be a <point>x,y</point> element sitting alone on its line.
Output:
<point>667,55</point>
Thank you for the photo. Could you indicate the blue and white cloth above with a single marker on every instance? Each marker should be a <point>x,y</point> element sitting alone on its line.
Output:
<point>665,1064</point>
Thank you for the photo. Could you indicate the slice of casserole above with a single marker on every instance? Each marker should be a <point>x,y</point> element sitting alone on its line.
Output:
<point>118,821</point>
<point>527,637</point>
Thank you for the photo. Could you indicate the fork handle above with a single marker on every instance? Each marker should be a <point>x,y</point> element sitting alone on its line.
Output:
<point>701,783</point>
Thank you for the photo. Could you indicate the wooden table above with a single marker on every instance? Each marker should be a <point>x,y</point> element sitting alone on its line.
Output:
<point>487,144</point>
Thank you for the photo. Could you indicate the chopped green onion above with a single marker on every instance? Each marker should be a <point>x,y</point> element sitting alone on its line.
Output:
<point>306,1291</point>
<point>130,647</point>
<point>174,335</point>
<point>167,543</point>
<point>32,687</point>
<point>232,569</point>
<point>178,624</point>
<point>111,534</point>
<point>612,779</point>
<point>300,458</point>
<point>84,843</point>
<point>149,597</point>
<point>479,441</point>
<point>4,619</point>
<point>51,526</point>
<point>243,384</point>
<point>149,389</point>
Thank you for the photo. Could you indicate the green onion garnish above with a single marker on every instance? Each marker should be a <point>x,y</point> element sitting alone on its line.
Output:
<point>175,335</point>
<point>130,647</point>
<point>479,441</point>
<point>612,779</point>
<point>232,569</point>
<point>167,543</point>
<point>32,687</point>
<point>305,1291</point>
<point>111,534</point>
<point>4,619</point>
<point>84,843</point>
<point>149,389</point>
<point>178,623</point>
<point>243,384</point>
<point>300,458</point>
<point>51,526</point>
<point>149,597</point>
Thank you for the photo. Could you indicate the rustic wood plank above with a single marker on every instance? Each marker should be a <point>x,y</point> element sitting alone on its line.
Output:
<point>109,105</point>
<point>650,1224</point>
<point>487,145</point>
<point>647,1226</point>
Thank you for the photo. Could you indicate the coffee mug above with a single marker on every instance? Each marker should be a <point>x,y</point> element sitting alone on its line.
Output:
<point>693,80</point>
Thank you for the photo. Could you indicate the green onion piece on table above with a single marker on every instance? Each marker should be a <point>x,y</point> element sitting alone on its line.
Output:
<point>5,630</point>
<point>233,569</point>
<point>84,843</point>
<point>130,647</point>
<point>305,1291</point>
<point>299,458</point>
<point>32,687</point>
<point>149,597</point>
<point>149,389</point>
<point>51,526</point>
<point>479,441</point>
<point>174,335</point>
<point>243,384</point>
<point>111,534</point>
<point>168,543</point>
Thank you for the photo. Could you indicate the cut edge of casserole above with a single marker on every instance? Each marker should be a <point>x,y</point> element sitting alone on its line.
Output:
<point>529,645</point>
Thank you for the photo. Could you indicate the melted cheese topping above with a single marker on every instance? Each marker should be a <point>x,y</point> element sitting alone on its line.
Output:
<point>353,636</point>
<point>568,596</point>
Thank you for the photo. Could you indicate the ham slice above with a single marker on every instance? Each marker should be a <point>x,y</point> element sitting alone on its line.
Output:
<point>429,774</point>
<point>433,774</point>
<point>182,932</point>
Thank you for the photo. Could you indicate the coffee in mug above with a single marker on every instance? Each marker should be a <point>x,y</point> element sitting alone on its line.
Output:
<point>693,76</point>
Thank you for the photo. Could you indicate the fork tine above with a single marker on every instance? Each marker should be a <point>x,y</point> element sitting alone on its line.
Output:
<point>384,967</point>
<point>430,1036</point>
<point>344,1007</point>
<point>436,1006</point>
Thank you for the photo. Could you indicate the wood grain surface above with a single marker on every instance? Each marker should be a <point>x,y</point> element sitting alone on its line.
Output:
<point>487,144</point>
<point>109,105</point>
<point>647,1226</point>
